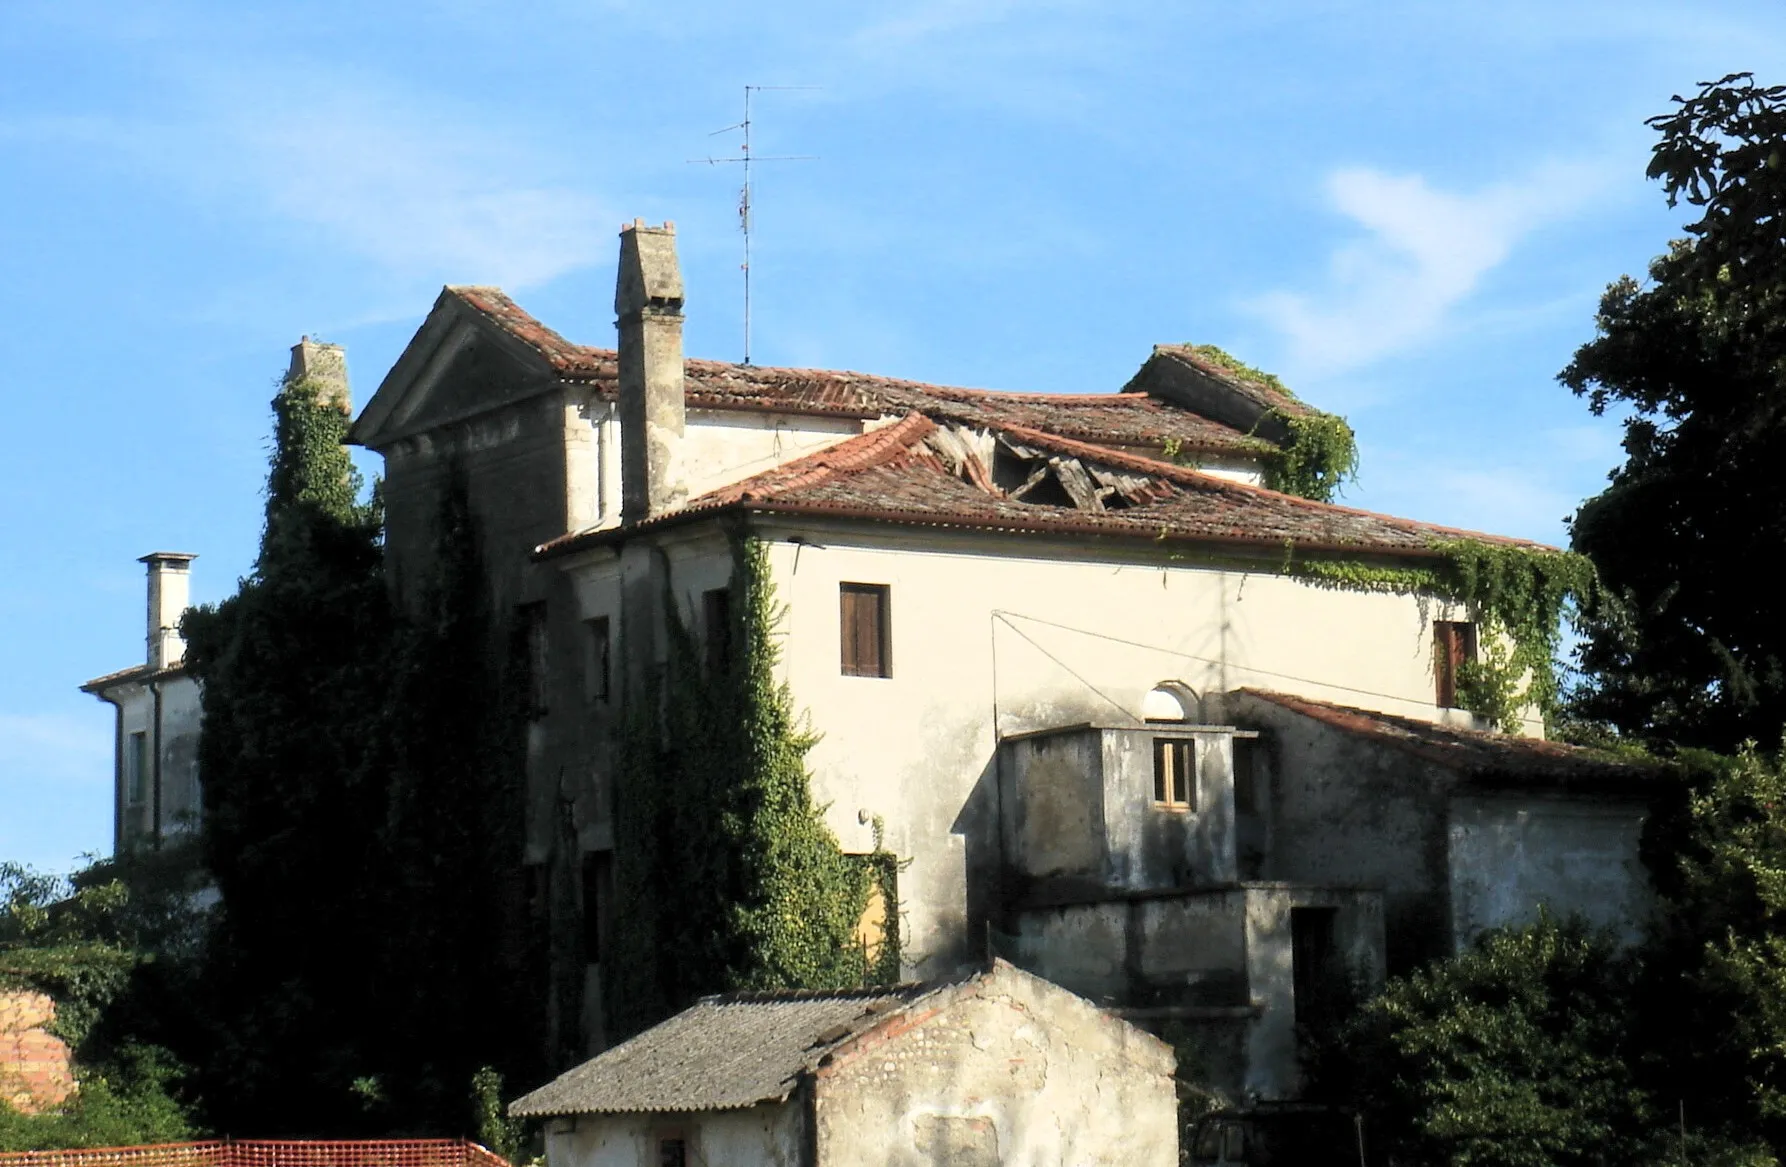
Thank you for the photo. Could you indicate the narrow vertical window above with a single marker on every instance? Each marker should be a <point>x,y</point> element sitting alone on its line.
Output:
<point>716,617</point>
<point>1246,776</point>
<point>136,770</point>
<point>1174,782</point>
<point>598,678</point>
<point>863,630</point>
<point>598,867</point>
<point>1454,645</point>
<point>533,631</point>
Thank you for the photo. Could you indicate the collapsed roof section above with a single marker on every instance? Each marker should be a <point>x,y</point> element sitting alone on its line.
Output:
<point>922,472</point>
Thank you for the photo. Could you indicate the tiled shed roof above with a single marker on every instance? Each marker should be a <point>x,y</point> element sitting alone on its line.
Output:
<point>722,1053</point>
<point>916,472</point>
<point>1125,419</point>
<point>131,675</point>
<point>1261,393</point>
<point>1477,754</point>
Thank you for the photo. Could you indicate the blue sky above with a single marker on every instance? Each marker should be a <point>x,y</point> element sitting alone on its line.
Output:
<point>1406,209</point>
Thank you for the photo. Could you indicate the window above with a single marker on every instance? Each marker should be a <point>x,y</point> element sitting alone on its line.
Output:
<point>136,769</point>
<point>598,676</point>
<point>672,1153</point>
<point>862,621</point>
<point>533,630</point>
<point>1174,778</point>
<point>1246,776</point>
<point>716,619</point>
<point>1454,645</point>
<point>598,868</point>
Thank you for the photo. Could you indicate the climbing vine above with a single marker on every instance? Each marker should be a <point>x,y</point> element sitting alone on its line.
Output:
<point>1516,595</point>
<point>1320,457</point>
<point>726,876</point>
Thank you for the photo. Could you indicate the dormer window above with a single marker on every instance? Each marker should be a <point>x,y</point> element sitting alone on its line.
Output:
<point>1174,776</point>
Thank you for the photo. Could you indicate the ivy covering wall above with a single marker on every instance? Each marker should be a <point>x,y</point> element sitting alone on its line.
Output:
<point>1516,595</point>
<point>726,875</point>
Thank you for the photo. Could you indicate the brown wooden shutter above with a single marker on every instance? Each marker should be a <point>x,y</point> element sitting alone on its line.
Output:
<point>1454,643</point>
<point>862,629</point>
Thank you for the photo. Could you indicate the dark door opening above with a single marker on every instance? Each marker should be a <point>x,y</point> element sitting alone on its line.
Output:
<point>1318,977</point>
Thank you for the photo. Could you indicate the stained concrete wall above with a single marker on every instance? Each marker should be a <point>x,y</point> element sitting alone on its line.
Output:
<point>768,1135</point>
<point>36,1068</point>
<point>1219,963</point>
<point>1077,810</point>
<point>1511,855</point>
<point>1449,857</point>
<point>1012,1070</point>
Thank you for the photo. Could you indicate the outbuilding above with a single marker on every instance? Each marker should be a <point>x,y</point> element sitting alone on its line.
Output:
<point>996,1066</point>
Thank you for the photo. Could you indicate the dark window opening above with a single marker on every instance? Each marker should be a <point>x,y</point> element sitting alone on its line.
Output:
<point>600,679</point>
<point>716,619</point>
<point>1315,973</point>
<point>672,1153</point>
<point>136,770</point>
<point>1174,778</point>
<point>598,883</point>
<point>1454,645</point>
<point>863,629</point>
<point>533,631</point>
<point>1246,776</point>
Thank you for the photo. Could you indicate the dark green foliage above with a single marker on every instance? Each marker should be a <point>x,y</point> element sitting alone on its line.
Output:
<point>726,875</point>
<point>293,667</point>
<point>1688,639</point>
<point>495,1129</point>
<point>1512,1054</point>
<point>362,820</point>
<point>83,940</point>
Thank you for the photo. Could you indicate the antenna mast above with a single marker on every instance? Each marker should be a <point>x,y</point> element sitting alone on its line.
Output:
<point>744,208</point>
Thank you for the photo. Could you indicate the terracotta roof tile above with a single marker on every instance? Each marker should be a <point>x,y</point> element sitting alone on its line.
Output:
<point>899,473</point>
<point>1125,419</point>
<point>1473,753</point>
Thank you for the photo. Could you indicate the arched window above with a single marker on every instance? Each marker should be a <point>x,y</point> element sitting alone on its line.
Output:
<point>1170,701</point>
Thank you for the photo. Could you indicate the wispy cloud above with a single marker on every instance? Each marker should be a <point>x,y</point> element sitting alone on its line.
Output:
<point>55,748</point>
<point>1423,252</point>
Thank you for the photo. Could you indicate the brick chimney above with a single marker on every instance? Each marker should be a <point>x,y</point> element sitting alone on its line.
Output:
<point>169,594</point>
<point>648,311</point>
<point>326,366</point>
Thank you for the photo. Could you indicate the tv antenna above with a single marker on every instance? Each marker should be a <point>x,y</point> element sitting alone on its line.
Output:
<point>745,157</point>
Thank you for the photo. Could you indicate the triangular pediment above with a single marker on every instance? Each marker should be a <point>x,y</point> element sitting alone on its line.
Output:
<point>457,366</point>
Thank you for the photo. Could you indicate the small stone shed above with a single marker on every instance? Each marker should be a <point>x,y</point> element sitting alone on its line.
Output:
<point>993,1067</point>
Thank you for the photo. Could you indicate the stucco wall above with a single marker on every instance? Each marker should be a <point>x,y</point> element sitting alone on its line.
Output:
<point>1510,855</point>
<point>177,742</point>
<point>769,1135</point>
<point>1016,1071</point>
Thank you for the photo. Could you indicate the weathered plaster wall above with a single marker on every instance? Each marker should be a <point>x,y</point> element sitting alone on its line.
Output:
<point>36,1068</point>
<point>1016,1071</point>
<point>1512,854</point>
<point>1000,636</point>
<point>177,742</point>
<point>1349,812</point>
<point>768,1135</point>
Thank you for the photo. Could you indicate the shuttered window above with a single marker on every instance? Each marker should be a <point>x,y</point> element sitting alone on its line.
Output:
<point>863,630</point>
<point>1454,644</point>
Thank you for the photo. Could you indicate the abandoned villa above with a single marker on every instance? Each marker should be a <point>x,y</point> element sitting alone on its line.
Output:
<point>1065,657</point>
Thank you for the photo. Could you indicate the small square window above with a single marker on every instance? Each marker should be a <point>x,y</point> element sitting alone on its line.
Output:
<point>862,629</point>
<point>598,678</point>
<point>1174,776</point>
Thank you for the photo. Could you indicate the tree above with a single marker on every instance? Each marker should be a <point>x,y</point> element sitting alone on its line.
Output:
<point>1687,637</point>
<point>293,667</point>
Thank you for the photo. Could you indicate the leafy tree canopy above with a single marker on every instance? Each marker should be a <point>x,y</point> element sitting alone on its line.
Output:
<point>1687,640</point>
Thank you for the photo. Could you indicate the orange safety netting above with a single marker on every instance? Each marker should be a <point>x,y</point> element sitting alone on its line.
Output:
<point>269,1153</point>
